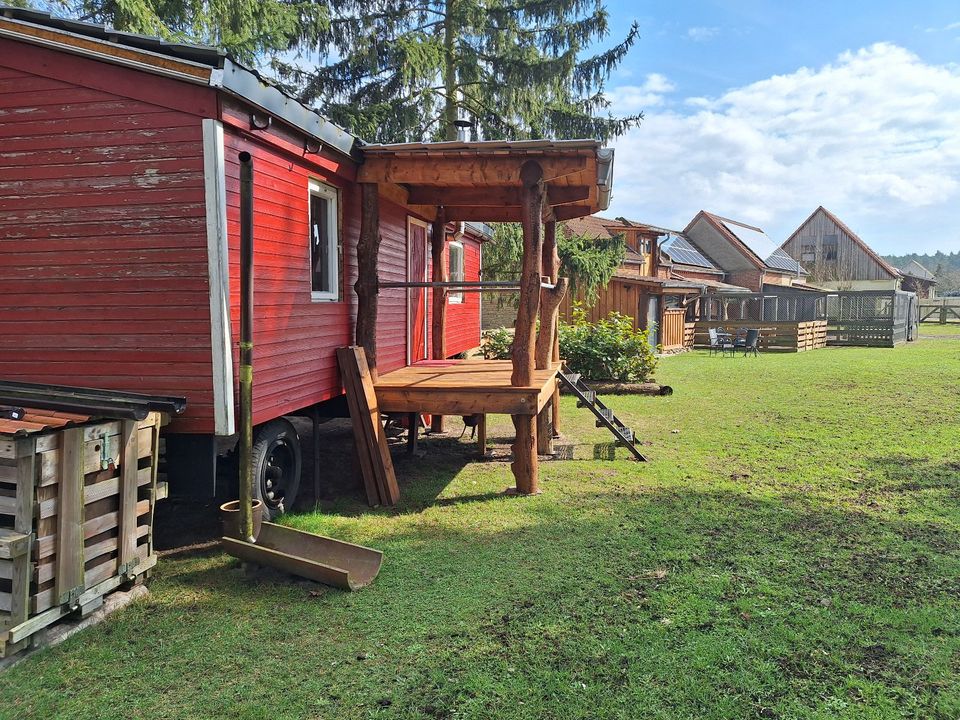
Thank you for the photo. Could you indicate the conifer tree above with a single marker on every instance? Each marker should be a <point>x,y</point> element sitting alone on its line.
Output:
<point>248,30</point>
<point>407,70</point>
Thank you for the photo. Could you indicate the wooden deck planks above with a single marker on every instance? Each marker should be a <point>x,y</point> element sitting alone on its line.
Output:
<point>463,387</point>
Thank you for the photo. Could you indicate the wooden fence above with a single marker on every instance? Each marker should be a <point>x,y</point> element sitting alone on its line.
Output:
<point>774,336</point>
<point>940,310</point>
<point>673,330</point>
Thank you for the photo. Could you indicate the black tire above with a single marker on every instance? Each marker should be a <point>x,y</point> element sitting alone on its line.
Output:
<point>277,462</point>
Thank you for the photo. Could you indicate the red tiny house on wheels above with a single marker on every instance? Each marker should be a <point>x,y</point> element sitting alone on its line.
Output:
<point>119,229</point>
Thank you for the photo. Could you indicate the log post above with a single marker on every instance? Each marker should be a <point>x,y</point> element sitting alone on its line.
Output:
<point>437,243</point>
<point>551,268</point>
<point>544,435</point>
<point>524,464</point>
<point>367,285</point>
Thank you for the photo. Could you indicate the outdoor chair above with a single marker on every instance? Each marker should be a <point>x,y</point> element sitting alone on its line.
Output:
<point>714,340</point>
<point>751,343</point>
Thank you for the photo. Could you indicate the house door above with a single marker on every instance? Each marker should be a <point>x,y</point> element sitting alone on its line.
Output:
<point>416,297</point>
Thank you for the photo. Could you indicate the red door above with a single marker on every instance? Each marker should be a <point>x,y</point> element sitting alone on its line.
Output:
<point>416,297</point>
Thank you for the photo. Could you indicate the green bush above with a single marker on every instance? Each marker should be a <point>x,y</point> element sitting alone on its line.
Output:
<point>606,350</point>
<point>609,349</point>
<point>497,344</point>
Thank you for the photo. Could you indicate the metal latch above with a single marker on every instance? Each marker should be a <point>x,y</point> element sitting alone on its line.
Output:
<point>107,461</point>
<point>72,597</point>
<point>127,569</point>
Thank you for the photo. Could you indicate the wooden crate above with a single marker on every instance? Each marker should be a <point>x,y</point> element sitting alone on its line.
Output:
<point>76,519</point>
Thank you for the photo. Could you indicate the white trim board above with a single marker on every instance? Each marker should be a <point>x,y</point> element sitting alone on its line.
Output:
<point>218,270</point>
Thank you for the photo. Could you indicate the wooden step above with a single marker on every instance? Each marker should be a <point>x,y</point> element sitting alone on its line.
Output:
<point>589,396</point>
<point>607,415</point>
<point>626,432</point>
<point>572,378</point>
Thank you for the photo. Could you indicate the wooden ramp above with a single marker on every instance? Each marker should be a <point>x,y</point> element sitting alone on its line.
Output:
<point>315,557</point>
<point>370,439</point>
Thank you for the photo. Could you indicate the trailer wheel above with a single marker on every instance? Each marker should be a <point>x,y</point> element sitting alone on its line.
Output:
<point>276,466</point>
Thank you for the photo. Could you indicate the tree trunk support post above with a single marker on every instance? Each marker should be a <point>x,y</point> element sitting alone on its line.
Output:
<point>439,330</point>
<point>367,287</point>
<point>524,465</point>
<point>551,268</point>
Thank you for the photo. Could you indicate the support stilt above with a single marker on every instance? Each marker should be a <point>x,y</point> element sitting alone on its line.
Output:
<point>524,464</point>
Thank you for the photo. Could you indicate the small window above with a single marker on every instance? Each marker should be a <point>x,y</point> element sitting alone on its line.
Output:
<point>455,261</point>
<point>324,243</point>
<point>808,252</point>
<point>829,247</point>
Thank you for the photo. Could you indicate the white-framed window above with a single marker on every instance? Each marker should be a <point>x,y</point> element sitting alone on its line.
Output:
<point>455,267</point>
<point>325,281</point>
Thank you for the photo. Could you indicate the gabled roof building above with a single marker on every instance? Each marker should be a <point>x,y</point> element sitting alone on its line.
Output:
<point>837,258</point>
<point>744,252</point>
<point>916,278</point>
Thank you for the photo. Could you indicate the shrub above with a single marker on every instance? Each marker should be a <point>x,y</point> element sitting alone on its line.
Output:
<point>609,349</point>
<point>497,344</point>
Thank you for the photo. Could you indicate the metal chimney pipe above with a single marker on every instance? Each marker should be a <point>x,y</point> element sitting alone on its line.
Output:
<point>246,347</point>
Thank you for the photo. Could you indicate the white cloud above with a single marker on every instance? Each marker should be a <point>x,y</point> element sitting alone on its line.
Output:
<point>701,33</point>
<point>945,28</point>
<point>872,136</point>
<point>629,99</point>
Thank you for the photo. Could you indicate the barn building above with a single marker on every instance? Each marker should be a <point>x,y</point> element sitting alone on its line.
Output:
<point>836,256</point>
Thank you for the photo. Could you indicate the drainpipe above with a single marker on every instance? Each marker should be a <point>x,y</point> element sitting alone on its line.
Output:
<point>246,347</point>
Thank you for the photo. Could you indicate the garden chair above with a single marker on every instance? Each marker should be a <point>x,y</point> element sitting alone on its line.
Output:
<point>751,343</point>
<point>714,340</point>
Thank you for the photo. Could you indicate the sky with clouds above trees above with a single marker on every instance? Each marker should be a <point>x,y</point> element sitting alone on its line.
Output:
<point>762,112</point>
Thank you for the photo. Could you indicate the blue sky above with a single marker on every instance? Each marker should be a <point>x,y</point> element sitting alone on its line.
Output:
<point>762,111</point>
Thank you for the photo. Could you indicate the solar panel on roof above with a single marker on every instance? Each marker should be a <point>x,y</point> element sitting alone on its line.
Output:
<point>681,251</point>
<point>780,260</point>
<point>763,247</point>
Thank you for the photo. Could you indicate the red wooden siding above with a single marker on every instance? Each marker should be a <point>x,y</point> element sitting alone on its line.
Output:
<point>102,229</point>
<point>295,338</point>
<point>392,302</point>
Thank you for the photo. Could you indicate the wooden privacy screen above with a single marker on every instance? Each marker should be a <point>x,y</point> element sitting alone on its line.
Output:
<point>376,465</point>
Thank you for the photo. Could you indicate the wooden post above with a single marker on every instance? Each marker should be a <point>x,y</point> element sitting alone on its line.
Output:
<point>544,435</point>
<point>551,268</point>
<point>437,243</point>
<point>524,464</point>
<point>482,434</point>
<point>367,286</point>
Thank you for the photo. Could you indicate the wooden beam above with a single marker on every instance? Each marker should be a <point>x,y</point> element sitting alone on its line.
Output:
<point>467,171</point>
<point>567,194</point>
<point>507,196</point>
<point>368,248</point>
<point>485,213</point>
<point>437,243</point>
<point>568,212</point>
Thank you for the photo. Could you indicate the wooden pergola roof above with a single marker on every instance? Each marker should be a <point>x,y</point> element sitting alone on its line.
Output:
<point>481,180</point>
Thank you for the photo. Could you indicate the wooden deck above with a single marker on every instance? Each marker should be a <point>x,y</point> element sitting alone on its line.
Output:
<point>463,387</point>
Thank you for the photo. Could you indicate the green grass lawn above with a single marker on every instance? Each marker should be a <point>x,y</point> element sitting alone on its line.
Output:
<point>935,329</point>
<point>792,551</point>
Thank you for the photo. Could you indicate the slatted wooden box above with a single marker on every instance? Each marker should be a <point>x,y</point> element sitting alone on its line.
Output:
<point>76,515</point>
